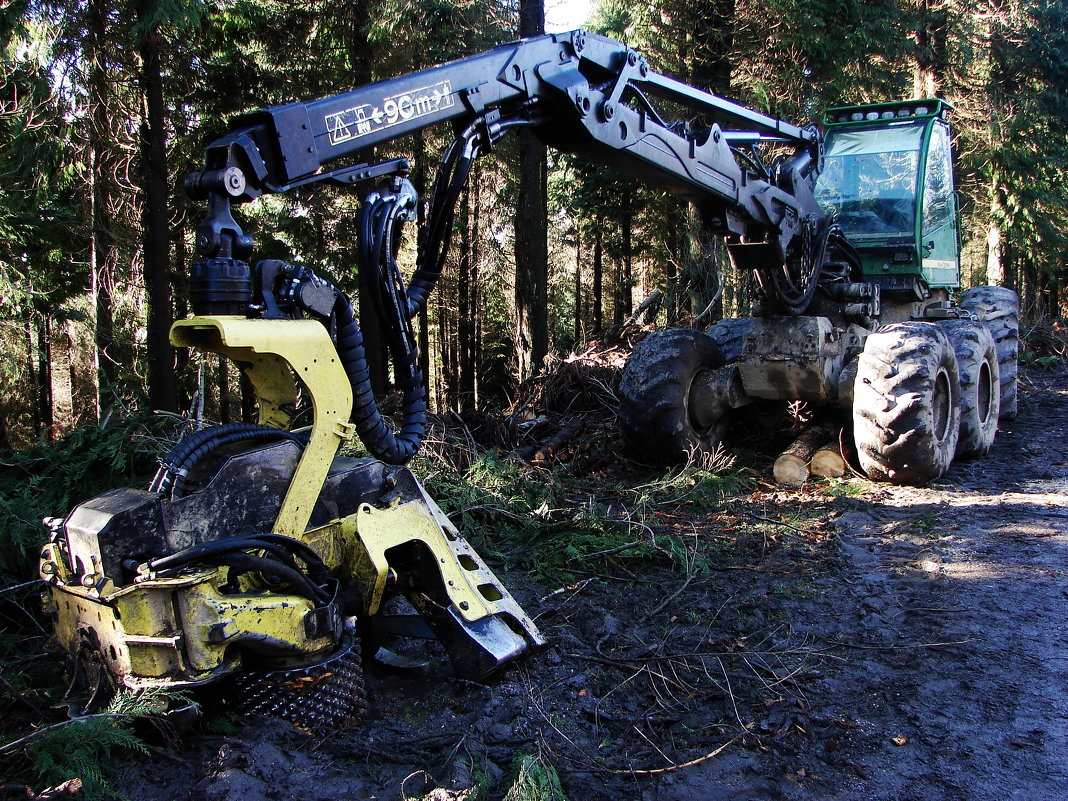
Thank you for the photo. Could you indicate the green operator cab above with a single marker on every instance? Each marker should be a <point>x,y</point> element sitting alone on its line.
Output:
<point>888,181</point>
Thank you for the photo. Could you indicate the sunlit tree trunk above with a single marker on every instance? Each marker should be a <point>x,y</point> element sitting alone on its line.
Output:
<point>578,289</point>
<point>465,306</point>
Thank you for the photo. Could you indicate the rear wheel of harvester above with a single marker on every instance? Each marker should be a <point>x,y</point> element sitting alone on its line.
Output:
<point>760,416</point>
<point>729,336</point>
<point>906,404</point>
<point>980,396</point>
<point>659,421</point>
<point>999,309</point>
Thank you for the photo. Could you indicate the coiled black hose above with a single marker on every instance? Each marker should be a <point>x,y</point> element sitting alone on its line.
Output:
<point>172,475</point>
<point>379,236</point>
<point>371,428</point>
<point>452,174</point>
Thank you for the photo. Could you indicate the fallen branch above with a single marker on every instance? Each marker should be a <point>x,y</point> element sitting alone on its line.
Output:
<point>902,647</point>
<point>572,588</point>
<point>680,766</point>
<point>669,599</point>
<point>783,523</point>
<point>618,549</point>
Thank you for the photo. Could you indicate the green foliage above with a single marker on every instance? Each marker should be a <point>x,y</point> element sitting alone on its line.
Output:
<point>48,479</point>
<point>696,484</point>
<point>533,520</point>
<point>79,748</point>
<point>846,487</point>
<point>549,524</point>
<point>535,779</point>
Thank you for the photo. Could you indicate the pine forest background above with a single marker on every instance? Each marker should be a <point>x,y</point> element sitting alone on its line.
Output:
<point>105,105</point>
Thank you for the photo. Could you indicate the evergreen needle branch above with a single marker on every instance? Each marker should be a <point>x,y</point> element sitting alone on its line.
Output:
<point>14,745</point>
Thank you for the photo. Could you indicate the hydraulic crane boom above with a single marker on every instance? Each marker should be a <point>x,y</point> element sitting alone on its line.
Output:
<point>581,93</point>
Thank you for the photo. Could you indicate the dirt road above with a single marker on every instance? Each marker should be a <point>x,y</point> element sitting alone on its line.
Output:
<point>901,644</point>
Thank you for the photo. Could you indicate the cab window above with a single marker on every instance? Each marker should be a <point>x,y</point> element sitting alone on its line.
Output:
<point>870,179</point>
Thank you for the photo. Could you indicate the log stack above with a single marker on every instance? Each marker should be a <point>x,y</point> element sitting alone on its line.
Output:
<point>814,452</point>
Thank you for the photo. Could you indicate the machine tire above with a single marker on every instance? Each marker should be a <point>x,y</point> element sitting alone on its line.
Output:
<point>729,336</point>
<point>762,416</point>
<point>906,404</point>
<point>980,396</point>
<point>654,408</point>
<point>999,308</point>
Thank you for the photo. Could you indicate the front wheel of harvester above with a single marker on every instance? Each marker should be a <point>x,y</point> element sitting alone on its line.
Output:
<point>906,404</point>
<point>655,411</point>
<point>980,396</point>
<point>999,309</point>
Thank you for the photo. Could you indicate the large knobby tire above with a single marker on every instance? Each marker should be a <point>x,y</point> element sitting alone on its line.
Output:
<point>980,395</point>
<point>761,416</point>
<point>729,336</point>
<point>654,407</point>
<point>906,404</point>
<point>999,309</point>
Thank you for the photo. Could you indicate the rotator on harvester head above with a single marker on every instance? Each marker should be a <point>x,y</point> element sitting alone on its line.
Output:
<point>258,552</point>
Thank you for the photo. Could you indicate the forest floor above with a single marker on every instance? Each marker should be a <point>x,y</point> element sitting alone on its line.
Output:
<point>863,642</point>
<point>902,643</point>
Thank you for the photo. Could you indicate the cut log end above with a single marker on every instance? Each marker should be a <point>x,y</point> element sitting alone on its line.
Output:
<point>790,470</point>
<point>828,462</point>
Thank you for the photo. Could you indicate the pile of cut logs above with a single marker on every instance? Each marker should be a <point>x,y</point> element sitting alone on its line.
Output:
<point>816,452</point>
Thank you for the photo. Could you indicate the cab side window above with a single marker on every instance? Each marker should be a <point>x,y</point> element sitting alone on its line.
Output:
<point>938,182</point>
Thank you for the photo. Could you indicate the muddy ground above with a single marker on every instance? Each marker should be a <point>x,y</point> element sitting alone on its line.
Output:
<point>898,644</point>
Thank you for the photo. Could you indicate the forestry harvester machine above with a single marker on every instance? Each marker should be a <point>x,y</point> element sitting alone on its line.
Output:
<point>260,555</point>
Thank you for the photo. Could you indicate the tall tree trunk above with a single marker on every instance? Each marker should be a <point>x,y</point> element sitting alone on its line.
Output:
<point>155,220</point>
<point>929,64</point>
<point>671,277</point>
<point>222,382</point>
<point>712,45</point>
<point>419,181</point>
<point>44,373</point>
<point>465,322</point>
<point>62,389</point>
<point>102,253</point>
<point>447,349</point>
<point>995,265</point>
<point>31,372</point>
<point>476,298</point>
<point>626,295</point>
<point>358,20</point>
<point>531,230</point>
<point>598,277</point>
<point>578,289</point>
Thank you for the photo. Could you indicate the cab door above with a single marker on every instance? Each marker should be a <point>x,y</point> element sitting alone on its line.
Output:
<point>939,231</point>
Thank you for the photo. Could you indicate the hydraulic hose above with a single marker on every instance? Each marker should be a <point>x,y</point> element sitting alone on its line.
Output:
<point>371,428</point>
<point>186,454</point>
<point>233,552</point>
